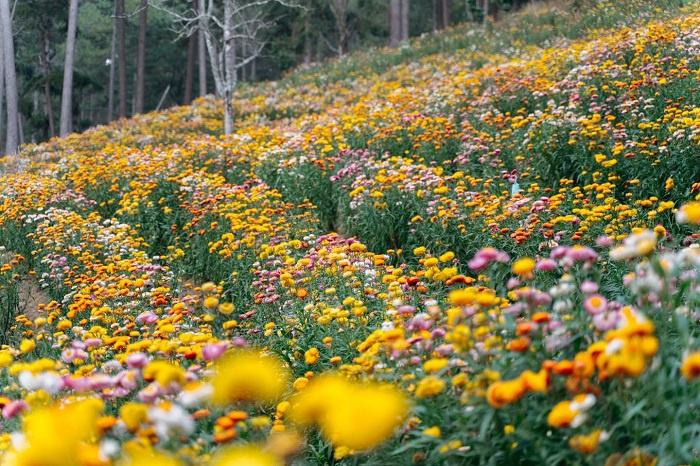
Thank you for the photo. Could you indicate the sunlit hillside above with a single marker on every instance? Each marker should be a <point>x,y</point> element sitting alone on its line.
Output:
<point>480,247</point>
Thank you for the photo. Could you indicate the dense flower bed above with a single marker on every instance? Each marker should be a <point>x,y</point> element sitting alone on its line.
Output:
<point>460,256</point>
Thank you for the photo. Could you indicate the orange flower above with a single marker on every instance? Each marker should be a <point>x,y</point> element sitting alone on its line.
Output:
<point>500,394</point>
<point>536,382</point>
<point>519,345</point>
<point>691,365</point>
<point>588,443</point>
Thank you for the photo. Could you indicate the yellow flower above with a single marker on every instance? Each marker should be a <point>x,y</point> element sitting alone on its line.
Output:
<point>226,308</point>
<point>209,287</point>
<point>669,184</point>
<point>435,365</point>
<point>59,434</point>
<point>133,415</point>
<point>430,262</point>
<point>211,302</point>
<point>588,443</point>
<point>300,383</point>
<point>462,297</point>
<point>354,415</point>
<point>248,376</point>
<point>164,373</point>
<point>429,386</point>
<point>144,456</point>
<point>689,213</point>
<point>368,417</point>
<point>432,432</point>
<point>5,358</point>
<point>245,455</point>
<point>341,452</point>
<point>448,256</point>
<point>524,266</point>
<point>419,251</point>
<point>27,345</point>
<point>311,356</point>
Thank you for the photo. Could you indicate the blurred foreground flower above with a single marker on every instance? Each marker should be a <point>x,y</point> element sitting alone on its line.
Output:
<point>357,416</point>
<point>249,376</point>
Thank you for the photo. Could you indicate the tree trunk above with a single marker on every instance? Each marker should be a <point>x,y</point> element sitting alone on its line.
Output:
<point>2,89</point>
<point>308,52</point>
<point>244,52</point>
<point>435,15</point>
<point>12,141</point>
<point>486,11</point>
<point>189,76</point>
<point>47,85</point>
<point>202,56</point>
<point>339,8</point>
<point>470,15</point>
<point>394,21</point>
<point>229,65</point>
<point>405,8</point>
<point>67,96</point>
<point>112,65</point>
<point>445,13</point>
<point>141,58</point>
<point>121,55</point>
<point>20,128</point>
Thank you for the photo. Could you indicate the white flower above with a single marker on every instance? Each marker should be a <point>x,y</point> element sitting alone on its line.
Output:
<point>386,326</point>
<point>196,396</point>
<point>169,418</point>
<point>614,346</point>
<point>583,403</point>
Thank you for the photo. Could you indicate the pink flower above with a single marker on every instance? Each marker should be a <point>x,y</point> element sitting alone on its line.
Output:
<point>127,379</point>
<point>69,355</point>
<point>515,308</point>
<point>558,252</point>
<point>213,351</point>
<point>545,265</point>
<point>78,384</point>
<point>582,253</point>
<point>482,258</point>
<point>595,304</point>
<point>478,263</point>
<point>605,321</point>
<point>93,342</point>
<point>149,393</point>
<point>136,360</point>
<point>13,408</point>
<point>603,241</point>
<point>148,317</point>
<point>101,381</point>
<point>444,350</point>
<point>589,287</point>
<point>239,342</point>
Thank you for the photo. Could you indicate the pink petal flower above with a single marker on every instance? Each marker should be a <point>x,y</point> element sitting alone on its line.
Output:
<point>213,351</point>
<point>13,408</point>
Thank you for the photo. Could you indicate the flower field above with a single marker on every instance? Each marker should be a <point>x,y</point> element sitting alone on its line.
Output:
<point>480,248</point>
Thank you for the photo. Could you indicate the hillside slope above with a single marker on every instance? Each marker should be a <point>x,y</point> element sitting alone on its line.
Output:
<point>365,219</point>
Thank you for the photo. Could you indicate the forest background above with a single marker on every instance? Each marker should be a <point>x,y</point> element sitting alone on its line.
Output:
<point>174,68</point>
